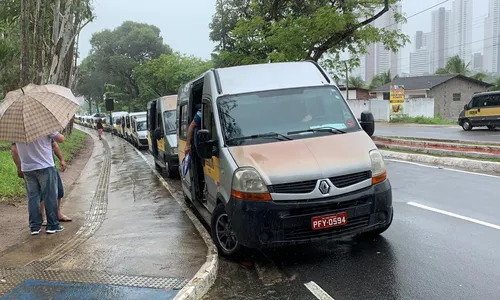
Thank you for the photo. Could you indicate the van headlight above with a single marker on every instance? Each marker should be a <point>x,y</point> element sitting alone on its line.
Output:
<point>379,173</point>
<point>248,185</point>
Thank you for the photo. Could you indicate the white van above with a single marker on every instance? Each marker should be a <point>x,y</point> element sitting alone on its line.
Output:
<point>279,158</point>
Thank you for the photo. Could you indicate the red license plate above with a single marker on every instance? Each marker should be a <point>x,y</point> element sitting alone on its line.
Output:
<point>328,221</point>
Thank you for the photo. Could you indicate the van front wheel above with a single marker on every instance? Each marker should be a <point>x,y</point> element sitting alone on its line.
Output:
<point>222,232</point>
<point>466,125</point>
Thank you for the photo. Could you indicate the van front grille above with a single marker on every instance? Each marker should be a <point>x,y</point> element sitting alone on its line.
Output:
<point>350,179</point>
<point>301,187</point>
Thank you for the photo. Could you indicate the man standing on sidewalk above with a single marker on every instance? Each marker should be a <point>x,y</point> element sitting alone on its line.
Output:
<point>35,163</point>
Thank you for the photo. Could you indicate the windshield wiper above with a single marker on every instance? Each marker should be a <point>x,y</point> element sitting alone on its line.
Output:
<point>272,135</point>
<point>321,129</point>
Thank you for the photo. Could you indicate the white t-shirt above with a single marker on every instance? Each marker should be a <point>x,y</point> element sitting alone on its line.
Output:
<point>37,155</point>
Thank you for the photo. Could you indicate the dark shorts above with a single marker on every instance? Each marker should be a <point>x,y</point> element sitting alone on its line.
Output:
<point>60,188</point>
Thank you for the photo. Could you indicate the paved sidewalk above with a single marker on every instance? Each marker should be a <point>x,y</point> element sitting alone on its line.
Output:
<point>128,233</point>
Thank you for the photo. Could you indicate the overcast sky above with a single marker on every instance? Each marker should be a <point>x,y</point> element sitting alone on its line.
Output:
<point>184,23</point>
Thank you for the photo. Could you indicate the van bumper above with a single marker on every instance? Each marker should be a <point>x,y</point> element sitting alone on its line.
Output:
<point>277,223</point>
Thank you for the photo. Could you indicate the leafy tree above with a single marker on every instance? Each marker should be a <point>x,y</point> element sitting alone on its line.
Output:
<point>496,85</point>
<point>165,75</point>
<point>480,76</point>
<point>256,31</point>
<point>118,52</point>
<point>91,82</point>
<point>356,82</point>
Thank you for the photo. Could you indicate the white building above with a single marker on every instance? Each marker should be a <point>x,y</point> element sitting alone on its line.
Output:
<point>491,38</point>
<point>461,30</point>
<point>419,62</point>
<point>379,59</point>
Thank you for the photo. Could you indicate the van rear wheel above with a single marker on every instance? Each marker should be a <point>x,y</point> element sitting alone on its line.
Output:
<point>222,232</point>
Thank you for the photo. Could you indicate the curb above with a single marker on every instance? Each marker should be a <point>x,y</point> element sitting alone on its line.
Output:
<point>432,140</point>
<point>442,145</point>
<point>436,151</point>
<point>203,280</point>
<point>468,164</point>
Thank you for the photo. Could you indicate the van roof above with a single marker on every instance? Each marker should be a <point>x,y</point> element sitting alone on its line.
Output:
<point>137,113</point>
<point>271,76</point>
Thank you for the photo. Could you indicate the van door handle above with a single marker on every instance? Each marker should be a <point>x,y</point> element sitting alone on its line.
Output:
<point>478,110</point>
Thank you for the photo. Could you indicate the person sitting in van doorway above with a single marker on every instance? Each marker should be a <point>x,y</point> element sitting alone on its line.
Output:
<point>194,126</point>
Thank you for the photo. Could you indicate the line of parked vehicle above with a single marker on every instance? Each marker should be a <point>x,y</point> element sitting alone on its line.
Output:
<point>129,126</point>
<point>277,155</point>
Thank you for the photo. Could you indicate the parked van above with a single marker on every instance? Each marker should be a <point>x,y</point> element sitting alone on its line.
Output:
<point>139,132</point>
<point>116,121</point>
<point>162,139</point>
<point>280,158</point>
<point>483,109</point>
<point>128,124</point>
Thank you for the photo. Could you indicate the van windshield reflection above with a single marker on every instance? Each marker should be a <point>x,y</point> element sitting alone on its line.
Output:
<point>301,112</point>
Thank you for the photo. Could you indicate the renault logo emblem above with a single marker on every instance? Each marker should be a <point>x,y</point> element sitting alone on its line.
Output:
<point>324,187</point>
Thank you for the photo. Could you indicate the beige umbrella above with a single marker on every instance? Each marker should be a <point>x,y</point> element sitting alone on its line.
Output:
<point>35,111</point>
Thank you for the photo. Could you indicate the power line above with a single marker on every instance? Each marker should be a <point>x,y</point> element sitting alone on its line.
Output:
<point>418,13</point>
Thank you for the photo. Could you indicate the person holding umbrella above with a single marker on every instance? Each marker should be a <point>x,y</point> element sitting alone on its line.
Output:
<point>32,118</point>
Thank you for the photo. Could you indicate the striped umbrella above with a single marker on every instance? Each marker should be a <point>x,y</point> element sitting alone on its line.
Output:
<point>35,111</point>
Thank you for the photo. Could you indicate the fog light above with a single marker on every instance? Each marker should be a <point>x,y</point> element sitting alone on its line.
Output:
<point>264,237</point>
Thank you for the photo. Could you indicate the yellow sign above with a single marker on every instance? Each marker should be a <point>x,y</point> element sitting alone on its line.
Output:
<point>397,94</point>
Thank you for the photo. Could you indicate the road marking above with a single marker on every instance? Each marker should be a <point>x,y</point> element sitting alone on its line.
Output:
<point>317,291</point>
<point>441,168</point>
<point>444,212</point>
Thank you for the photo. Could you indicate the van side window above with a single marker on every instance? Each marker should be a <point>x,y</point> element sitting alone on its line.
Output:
<point>183,126</point>
<point>494,100</point>
<point>477,102</point>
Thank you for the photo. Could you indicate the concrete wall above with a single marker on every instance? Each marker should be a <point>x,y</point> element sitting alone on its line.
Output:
<point>381,108</point>
<point>443,95</point>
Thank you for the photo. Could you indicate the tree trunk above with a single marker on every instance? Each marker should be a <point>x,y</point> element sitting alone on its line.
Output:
<point>39,39</point>
<point>25,58</point>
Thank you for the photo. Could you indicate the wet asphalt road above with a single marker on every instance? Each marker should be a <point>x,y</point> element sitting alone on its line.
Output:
<point>424,255</point>
<point>438,132</point>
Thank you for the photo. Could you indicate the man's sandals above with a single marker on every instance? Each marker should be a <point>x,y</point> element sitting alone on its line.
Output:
<point>63,219</point>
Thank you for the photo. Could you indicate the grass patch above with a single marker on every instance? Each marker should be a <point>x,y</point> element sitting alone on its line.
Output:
<point>422,120</point>
<point>12,187</point>
<point>493,159</point>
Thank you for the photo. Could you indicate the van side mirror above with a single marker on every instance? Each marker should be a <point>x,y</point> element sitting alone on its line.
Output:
<point>367,123</point>
<point>466,107</point>
<point>205,147</point>
<point>157,134</point>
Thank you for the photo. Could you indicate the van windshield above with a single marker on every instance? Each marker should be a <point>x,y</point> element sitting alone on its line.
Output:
<point>290,112</point>
<point>141,126</point>
<point>170,117</point>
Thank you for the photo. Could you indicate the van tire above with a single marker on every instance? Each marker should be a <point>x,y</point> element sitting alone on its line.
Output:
<point>466,125</point>
<point>171,172</point>
<point>220,216</point>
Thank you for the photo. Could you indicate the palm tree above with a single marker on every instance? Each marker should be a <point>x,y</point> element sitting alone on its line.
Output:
<point>456,65</point>
<point>356,82</point>
<point>381,79</point>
